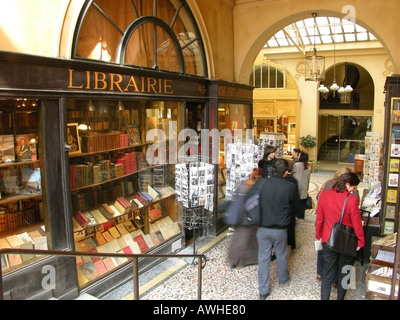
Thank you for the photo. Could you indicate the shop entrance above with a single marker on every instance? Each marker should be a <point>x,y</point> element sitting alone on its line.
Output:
<point>342,137</point>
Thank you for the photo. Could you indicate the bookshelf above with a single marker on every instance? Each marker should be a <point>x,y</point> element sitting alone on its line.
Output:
<point>21,206</point>
<point>389,218</point>
<point>120,202</point>
<point>380,271</point>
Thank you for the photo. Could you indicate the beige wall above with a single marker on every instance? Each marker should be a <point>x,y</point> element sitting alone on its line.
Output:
<point>32,27</point>
<point>218,20</point>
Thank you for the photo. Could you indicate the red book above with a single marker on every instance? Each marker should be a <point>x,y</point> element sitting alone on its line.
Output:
<point>141,199</point>
<point>127,250</point>
<point>108,225</point>
<point>141,242</point>
<point>82,219</point>
<point>100,267</point>
<point>106,211</point>
<point>155,214</point>
<point>109,264</point>
<point>94,259</point>
<point>122,205</point>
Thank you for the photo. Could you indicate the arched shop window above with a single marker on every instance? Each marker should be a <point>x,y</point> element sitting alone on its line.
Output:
<point>268,76</point>
<point>159,34</point>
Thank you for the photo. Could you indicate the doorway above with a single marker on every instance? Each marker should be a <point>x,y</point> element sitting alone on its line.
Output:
<point>341,137</point>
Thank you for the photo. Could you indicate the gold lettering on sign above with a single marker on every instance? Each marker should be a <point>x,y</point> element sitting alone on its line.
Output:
<point>168,86</point>
<point>70,85</point>
<point>95,80</point>
<point>100,77</point>
<point>132,83</point>
<point>224,91</point>
<point>87,79</point>
<point>116,81</point>
<point>151,82</point>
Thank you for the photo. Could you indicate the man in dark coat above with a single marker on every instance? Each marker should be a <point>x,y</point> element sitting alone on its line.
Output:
<point>278,201</point>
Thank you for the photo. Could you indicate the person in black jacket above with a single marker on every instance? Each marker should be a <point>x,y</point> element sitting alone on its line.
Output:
<point>268,160</point>
<point>278,201</point>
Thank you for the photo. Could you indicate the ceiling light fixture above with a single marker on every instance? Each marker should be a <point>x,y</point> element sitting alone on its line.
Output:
<point>314,64</point>
<point>324,91</point>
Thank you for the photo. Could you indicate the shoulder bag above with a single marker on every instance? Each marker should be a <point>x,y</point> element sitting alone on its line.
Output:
<point>233,211</point>
<point>252,205</point>
<point>343,239</point>
<point>309,203</point>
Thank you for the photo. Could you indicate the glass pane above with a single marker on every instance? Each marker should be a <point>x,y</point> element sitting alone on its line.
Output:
<point>140,48</point>
<point>355,127</point>
<point>167,56</point>
<point>328,138</point>
<point>265,83</point>
<point>257,77</point>
<point>348,150</point>
<point>264,125</point>
<point>120,157</point>
<point>125,14</point>
<point>105,24</point>
<point>98,38</point>
<point>22,210</point>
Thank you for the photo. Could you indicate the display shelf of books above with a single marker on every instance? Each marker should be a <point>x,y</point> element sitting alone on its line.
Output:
<point>21,207</point>
<point>391,200</point>
<point>379,275</point>
<point>135,224</point>
<point>120,203</point>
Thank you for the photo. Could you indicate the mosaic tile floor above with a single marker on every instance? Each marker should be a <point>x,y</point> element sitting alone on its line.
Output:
<point>220,282</point>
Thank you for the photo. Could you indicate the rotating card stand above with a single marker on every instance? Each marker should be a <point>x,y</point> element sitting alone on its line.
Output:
<point>194,184</point>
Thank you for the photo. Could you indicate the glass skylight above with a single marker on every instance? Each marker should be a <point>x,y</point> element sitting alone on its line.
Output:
<point>323,30</point>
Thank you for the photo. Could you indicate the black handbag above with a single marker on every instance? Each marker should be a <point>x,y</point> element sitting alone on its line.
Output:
<point>343,239</point>
<point>309,203</point>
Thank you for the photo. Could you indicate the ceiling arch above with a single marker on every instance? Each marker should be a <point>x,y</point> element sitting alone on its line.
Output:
<point>269,33</point>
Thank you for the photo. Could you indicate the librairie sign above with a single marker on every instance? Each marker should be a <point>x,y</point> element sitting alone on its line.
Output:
<point>43,75</point>
<point>54,75</point>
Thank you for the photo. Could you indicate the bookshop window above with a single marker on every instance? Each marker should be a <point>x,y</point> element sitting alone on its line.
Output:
<point>22,218</point>
<point>264,125</point>
<point>233,117</point>
<point>122,185</point>
<point>159,34</point>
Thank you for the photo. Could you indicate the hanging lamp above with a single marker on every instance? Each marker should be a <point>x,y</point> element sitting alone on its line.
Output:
<point>314,64</point>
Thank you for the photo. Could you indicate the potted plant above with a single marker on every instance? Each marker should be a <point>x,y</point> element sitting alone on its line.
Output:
<point>309,142</point>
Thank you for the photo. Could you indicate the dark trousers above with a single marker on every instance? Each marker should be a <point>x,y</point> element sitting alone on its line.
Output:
<point>320,266</point>
<point>335,265</point>
<point>291,234</point>
<point>302,208</point>
<point>320,262</point>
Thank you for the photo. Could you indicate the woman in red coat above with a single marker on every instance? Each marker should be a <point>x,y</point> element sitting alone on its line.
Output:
<point>329,207</point>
